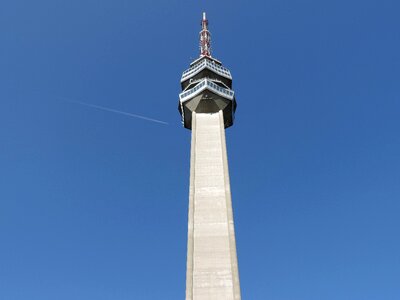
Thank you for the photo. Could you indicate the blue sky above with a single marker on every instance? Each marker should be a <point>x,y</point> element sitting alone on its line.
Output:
<point>93,204</point>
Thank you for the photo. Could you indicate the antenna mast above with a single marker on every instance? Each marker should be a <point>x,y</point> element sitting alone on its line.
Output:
<point>205,38</point>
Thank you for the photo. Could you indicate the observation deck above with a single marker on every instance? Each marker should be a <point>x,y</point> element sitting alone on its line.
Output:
<point>205,63</point>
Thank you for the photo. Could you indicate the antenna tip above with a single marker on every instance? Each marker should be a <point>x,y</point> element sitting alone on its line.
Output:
<point>204,16</point>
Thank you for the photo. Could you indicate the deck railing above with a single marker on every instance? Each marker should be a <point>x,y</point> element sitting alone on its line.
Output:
<point>204,64</point>
<point>203,85</point>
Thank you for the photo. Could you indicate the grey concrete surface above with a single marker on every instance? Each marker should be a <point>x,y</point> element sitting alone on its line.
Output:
<point>212,268</point>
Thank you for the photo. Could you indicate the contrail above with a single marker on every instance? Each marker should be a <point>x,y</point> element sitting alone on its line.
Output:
<point>116,111</point>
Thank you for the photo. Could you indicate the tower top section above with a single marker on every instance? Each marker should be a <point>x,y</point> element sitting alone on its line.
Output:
<point>206,85</point>
<point>205,38</point>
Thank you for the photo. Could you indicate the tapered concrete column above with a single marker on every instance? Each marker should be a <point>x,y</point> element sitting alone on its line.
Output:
<point>212,269</point>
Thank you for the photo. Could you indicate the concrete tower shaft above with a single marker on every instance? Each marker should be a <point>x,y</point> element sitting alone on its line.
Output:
<point>212,268</point>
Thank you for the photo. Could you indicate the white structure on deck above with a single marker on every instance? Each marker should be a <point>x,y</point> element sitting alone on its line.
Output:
<point>207,105</point>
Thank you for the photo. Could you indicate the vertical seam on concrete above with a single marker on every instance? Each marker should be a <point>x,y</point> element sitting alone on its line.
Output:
<point>190,250</point>
<point>228,199</point>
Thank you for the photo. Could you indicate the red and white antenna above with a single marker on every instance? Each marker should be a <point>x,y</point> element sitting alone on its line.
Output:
<point>205,38</point>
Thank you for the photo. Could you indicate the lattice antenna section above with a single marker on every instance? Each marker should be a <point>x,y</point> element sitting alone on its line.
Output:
<point>205,38</point>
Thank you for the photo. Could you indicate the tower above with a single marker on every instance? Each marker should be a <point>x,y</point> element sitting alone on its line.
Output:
<point>207,105</point>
